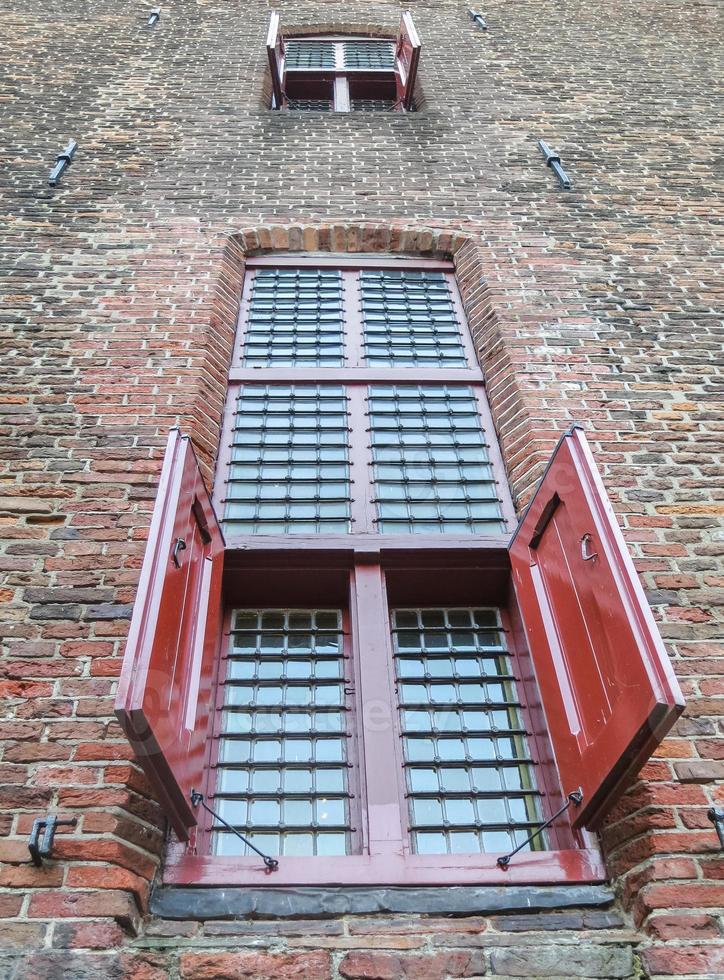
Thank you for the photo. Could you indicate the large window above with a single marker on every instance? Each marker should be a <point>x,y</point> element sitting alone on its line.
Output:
<point>345,663</point>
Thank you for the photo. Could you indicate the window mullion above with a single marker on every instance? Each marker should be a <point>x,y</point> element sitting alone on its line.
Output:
<point>359,461</point>
<point>353,328</point>
<point>381,762</point>
<point>341,94</point>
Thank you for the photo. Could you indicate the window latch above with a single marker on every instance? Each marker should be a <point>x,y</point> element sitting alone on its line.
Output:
<point>576,798</point>
<point>717,818</point>
<point>270,863</point>
<point>42,849</point>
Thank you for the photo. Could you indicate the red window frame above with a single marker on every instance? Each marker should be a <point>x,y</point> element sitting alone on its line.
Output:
<point>366,558</point>
<point>365,571</point>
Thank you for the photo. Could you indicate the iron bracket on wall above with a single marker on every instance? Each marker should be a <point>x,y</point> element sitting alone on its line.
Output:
<point>154,17</point>
<point>576,798</point>
<point>42,849</point>
<point>717,818</point>
<point>554,162</point>
<point>270,863</point>
<point>478,19</point>
<point>62,161</point>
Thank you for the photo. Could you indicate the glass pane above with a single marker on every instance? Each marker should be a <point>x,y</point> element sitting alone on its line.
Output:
<point>413,431</point>
<point>279,777</point>
<point>286,435</point>
<point>458,799</point>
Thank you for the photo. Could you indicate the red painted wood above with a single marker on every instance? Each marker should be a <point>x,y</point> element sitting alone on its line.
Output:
<point>384,782</point>
<point>407,58</point>
<point>536,868</point>
<point>275,54</point>
<point>360,375</point>
<point>607,686</point>
<point>165,684</point>
<point>323,260</point>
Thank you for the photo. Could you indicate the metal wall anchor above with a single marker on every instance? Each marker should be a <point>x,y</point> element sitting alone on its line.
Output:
<point>62,161</point>
<point>554,162</point>
<point>576,798</point>
<point>717,818</point>
<point>39,850</point>
<point>478,19</point>
<point>154,17</point>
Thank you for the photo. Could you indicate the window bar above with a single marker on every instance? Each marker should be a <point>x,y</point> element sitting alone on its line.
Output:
<point>576,798</point>
<point>270,863</point>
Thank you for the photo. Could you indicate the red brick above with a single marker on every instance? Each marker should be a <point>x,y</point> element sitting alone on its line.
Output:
<point>679,961</point>
<point>260,966</point>
<point>88,935</point>
<point>683,926</point>
<point>429,966</point>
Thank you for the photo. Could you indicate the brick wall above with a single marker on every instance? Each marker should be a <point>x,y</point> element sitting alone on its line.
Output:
<point>117,312</point>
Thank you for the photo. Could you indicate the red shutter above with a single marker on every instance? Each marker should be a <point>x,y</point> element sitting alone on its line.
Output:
<point>164,695</point>
<point>275,54</point>
<point>407,57</point>
<point>606,683</point>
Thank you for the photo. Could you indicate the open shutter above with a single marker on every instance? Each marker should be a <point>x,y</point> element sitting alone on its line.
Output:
<point>164,694</point>
<point>275,54</point>
<point>606,683</point>
<point>407,57</point>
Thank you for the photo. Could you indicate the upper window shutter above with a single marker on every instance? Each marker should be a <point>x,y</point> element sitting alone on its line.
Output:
<point>275,54</point>
<point>607,687</point>
<point>407,57</point>
<point>164,694</point>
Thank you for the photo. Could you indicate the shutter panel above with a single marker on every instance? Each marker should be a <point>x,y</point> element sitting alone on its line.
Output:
<point>275,54</point>
<point>607,687</point>
<point>407,57</point>
<point>164,694</point>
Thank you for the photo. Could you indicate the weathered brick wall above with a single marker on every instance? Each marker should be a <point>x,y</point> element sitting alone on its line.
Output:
<point>117,311</point>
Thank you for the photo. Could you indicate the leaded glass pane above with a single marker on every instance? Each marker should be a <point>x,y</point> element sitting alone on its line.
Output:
<point>432,470</point>
<point>295,315</point>
<point>289,471</point>
<point>369,55</point>
<point>287,793</point>
<point>409,319</point>
<point>300,54</point>
<point>470,779</point>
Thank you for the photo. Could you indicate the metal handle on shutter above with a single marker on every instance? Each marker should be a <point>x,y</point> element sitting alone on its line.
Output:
<point>587,555</point>
<point>180,545</point>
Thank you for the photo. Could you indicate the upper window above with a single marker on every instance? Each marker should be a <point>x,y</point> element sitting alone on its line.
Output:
<point>369,416</point>
<point>343,74</point>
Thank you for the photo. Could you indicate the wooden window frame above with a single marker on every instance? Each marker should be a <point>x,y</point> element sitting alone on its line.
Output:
<point>366,560</point>
<point>598,688</point>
